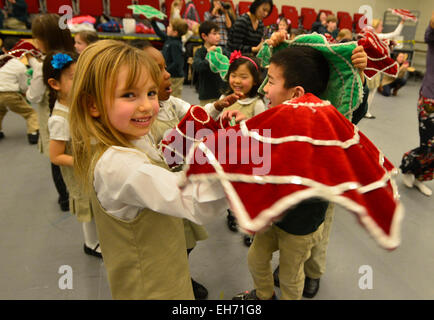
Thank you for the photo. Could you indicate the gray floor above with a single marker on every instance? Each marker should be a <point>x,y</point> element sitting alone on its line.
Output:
<point>37,239</point>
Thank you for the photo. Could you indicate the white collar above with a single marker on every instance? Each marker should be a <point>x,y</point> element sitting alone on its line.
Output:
<point>61,107</point>
<point>147,145</point>
<point>248,100</point>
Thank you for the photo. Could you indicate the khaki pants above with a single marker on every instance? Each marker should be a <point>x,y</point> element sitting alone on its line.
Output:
<point>315,266</point>
<point>294,251</point>
<point>15,102</point>
<point>177,84</point>
<point>15,24</point>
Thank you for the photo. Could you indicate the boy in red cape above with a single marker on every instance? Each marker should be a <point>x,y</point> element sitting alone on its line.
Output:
<point>339,164</point>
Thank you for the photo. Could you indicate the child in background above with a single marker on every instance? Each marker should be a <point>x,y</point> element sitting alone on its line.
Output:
<point>210,83</point>
<point>48,37</point>
<point>390,85</point>
<point>332,26</point>
<point>172,110</point>
<point>344,35</point>
<point>282,24</point>
<point>173,51</point>
<point>58,70</point>
<point>139,210</point>
<point>244,78</point>
<point>13,84</point>
<point>84,38</point>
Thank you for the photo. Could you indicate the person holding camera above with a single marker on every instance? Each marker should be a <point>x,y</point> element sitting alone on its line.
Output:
<point>222,14</point>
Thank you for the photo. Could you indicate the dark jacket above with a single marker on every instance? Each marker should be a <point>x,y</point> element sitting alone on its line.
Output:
<point>318,27</point>
<point>209,83</point>
<point>172,52</point>
<point>363,107</point>
<point>304,218</point>
<point>242,36</point>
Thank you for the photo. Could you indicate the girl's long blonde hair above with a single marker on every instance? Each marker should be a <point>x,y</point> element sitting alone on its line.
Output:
<point>93,87</point>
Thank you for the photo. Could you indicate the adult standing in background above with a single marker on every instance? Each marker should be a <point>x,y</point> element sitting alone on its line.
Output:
<point>319,26</point>
<point>418,164</point>
<point>247,31</point>
<point>221,14</point>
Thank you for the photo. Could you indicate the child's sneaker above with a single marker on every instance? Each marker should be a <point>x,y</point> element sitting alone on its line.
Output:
<point>200,292</point>
<point>33,137</point>
<point>92,252</point>
<point>232,224</point>
<point>250,295</point>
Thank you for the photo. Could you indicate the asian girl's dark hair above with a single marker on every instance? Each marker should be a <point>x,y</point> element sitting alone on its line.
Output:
<point>50,72</point>
<point>257,74</point>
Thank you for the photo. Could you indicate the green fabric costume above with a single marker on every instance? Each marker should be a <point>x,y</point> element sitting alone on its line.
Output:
<point>345,88</point>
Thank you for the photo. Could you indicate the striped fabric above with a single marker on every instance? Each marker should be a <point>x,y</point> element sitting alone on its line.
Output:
<point>243,37</point>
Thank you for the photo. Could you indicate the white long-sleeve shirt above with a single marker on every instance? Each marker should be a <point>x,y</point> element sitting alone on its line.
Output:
<point>393,34</point>
<point>35,92</point>
<point>215,114</point>
<point>180,106</point>
<point>126,182</point>
<point>13,76</point>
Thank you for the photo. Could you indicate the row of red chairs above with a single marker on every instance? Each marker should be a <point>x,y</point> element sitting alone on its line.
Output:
<point>118,8</point>
<point>306,18</point>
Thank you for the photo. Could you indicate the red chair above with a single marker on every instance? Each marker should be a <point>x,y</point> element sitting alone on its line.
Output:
<point>33,6</point>
<point>93,8</point>
<point>118,8</point>
<point>345,21</point>
<point>357,17</point>
<point>291,13</point>
<point>272,18</point>
<point>54,5</point>
<point>152,3</point>
<point>308,16</point>
<point>243,7</point>
<point>202,6</point>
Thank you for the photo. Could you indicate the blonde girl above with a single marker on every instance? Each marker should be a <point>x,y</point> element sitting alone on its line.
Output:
<point>58,70</point>
<point>137,204</point>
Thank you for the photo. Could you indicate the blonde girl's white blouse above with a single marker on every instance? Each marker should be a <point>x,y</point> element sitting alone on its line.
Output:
<point>126,182</point>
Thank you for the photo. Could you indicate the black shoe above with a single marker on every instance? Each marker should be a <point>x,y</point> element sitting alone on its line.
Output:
<point>2,135</point>
<point>250,295</point>
<point>64,205</point>
<point>248,240</point>
<point>200,292</point>
<point>276,277</point>
<point>311,287</point>
<point>92,252</point>
<point>232,224</point>
<point>33,137</point>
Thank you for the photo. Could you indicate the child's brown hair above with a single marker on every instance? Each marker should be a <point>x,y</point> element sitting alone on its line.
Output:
<point>88,36</point>
<point>46,29</point>
<point>179,25</point>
